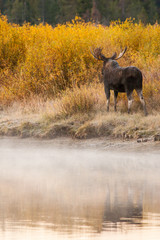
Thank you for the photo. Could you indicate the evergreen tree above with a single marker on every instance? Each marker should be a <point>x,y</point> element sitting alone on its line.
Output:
<point>67,10</point>
<point>18,11</point>
<point>134,9</point>
<point>84,8</point>
<point>2,5</point>
<point>52,11</point>
<point>60,11</point>
<point>151,9</point>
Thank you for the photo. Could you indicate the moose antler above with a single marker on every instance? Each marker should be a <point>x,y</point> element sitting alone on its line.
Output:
<point>97,54</point>
<point>121,54</point>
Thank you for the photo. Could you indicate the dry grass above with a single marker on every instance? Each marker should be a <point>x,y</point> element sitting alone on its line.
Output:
<point>119,125</point>
<point>71,117</point>
<point>84,99</point>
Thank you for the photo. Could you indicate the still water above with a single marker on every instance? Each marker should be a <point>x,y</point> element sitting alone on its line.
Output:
<point>79,190</point>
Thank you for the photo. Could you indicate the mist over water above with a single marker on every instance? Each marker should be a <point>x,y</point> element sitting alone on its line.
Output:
<point>79,190</point>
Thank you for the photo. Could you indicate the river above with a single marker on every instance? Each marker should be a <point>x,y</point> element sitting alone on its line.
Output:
<point>65,189</point>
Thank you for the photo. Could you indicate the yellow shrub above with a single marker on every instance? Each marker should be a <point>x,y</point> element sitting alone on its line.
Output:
<point>45,61</point>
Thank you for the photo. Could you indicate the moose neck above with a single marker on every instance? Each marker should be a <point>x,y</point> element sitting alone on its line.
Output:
<point>110,64</point>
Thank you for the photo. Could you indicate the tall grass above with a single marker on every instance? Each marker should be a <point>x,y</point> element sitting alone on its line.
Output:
<point>84,99</point>
<point>44,61</point>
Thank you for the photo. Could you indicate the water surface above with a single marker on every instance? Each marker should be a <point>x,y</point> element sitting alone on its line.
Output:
<point>64,189</point>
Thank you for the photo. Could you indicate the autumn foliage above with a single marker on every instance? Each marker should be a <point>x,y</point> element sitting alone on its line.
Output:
<point>46,61</point>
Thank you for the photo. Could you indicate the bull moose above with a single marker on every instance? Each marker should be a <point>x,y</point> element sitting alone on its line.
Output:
<point>120,79</point>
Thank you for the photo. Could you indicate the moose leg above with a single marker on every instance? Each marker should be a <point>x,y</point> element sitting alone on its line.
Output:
<point>115,100</point>
<point>140,94</point>
<point>130,100</point>
<point>107,92</point>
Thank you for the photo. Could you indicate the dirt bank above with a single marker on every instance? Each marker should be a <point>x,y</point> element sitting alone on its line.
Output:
<point>82,126</point>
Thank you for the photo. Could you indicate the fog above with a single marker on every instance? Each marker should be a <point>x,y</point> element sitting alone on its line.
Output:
<point>65,186</point>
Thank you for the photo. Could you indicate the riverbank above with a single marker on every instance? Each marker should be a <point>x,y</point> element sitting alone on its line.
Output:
<point>43,123</point>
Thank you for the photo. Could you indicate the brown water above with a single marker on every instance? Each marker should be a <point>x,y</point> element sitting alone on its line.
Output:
<point>79,190</point>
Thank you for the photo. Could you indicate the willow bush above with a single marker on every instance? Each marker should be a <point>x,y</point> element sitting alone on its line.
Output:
<point>42,60</point>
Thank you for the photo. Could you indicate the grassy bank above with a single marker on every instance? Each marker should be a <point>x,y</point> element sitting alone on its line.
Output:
<point>50,81</point>
<point>42,120</point>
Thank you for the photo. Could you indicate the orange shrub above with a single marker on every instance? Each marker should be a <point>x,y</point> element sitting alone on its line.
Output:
<point>43,60</point>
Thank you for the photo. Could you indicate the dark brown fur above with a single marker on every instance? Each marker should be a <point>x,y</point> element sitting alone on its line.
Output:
<point>120,79</point>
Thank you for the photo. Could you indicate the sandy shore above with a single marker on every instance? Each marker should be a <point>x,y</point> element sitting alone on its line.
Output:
<point>96,144</point>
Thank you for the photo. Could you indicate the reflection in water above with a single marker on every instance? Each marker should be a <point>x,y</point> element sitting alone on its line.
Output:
<point>125,206</point>
<point>50,192</point>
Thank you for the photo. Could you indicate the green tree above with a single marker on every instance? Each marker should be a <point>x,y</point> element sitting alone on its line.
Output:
<point>52,11</point>
<point>134,8</point>
<point>67,10</point>
<point>18,11</point>
<point>60,11</point>
<point>33,13</point>
<point>151,10</point>
<point>84,8</point>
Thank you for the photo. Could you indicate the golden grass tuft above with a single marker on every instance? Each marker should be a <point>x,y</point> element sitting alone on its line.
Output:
<point>83,99</point>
